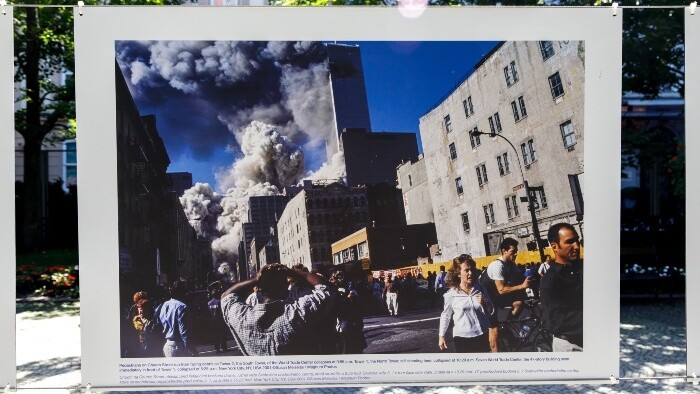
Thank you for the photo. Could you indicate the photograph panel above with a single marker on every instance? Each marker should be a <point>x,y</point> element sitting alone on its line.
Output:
<point>8,372</point>
<point>209,234</point>
<point>347,204</point>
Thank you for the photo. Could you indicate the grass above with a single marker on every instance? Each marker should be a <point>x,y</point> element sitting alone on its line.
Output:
<point>47,258</point>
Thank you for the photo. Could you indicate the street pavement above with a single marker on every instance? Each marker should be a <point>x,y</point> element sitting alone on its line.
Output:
<point>652,355</point>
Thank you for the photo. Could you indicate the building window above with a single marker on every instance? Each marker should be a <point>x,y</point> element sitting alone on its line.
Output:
<point>465,222</point>
<point>521,103</point>
<point>474,139</point>
<point>458,184</point>
<point>488,214</point>
<point>528,150</point>
<point>567,134</point>
<point>453,151</point>
<point>410,183</point>
<point>503,164</point>
<point>495,123</point>
<point>547,49</point>
<point>519,109</point>
<point>481,174</point>
<point>516,114</point>
<point>512,206</point>
<point>556,86</point>
<point>448,124</point>
<point>468,107</point>
<point>511,74</point>
<point>70,164</point>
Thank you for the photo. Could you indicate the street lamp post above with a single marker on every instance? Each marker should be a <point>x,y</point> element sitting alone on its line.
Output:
<point>530,201</point>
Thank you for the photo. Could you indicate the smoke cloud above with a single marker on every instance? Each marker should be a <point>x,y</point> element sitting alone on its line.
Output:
<point>333,169</point>
<point>267,103</point>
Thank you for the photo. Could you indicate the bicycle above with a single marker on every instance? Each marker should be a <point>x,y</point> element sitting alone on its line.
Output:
<point>525,333</point>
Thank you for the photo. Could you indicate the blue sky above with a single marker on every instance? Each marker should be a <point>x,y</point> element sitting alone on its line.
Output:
<point>404,80</point>
<point>198,106</point>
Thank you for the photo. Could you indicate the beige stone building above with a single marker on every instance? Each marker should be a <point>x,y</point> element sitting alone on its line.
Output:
<point>531,93</point>
<point>412,179</point>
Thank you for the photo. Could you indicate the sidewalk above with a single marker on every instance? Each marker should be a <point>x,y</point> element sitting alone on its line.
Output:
<point>652,346</point>
<point>48,344</point>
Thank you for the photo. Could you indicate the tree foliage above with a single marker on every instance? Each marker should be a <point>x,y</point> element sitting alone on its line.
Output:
<point>44,65</point>
<point>653,54</point>
<point>653,58</point>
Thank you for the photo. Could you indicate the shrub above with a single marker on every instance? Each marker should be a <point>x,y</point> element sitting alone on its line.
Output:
<point>52,281</point>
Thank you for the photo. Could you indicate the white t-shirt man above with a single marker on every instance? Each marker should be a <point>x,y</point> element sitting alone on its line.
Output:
<point>498,270</point>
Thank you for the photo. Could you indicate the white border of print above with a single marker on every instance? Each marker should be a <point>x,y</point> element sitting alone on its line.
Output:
<point>95,34</point>
<point>8,369</point>
<point>692,186</point>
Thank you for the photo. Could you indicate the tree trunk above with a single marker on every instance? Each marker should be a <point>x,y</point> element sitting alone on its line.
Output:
<point>31,200</point>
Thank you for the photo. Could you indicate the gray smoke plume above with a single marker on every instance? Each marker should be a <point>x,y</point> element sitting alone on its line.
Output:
<point>268,157</point>
<point>270,162</point>
<point>333,169</point>
<point>274,99</point>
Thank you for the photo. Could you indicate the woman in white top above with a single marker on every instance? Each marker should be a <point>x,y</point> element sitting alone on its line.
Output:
<point>469,306</point>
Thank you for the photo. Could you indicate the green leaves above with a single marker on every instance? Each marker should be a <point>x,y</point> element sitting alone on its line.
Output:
<point>653,53</point>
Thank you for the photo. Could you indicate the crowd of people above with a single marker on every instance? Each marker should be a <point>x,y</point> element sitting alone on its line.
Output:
<point>294,311</point>
<point>280,311</point>
<point>285,311</point>
<point>472,304</point>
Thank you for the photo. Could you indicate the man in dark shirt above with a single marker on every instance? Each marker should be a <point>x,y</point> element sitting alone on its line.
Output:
<point>561,290</point>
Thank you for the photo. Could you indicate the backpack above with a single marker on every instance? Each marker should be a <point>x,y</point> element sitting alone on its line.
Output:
<point>489,284</point>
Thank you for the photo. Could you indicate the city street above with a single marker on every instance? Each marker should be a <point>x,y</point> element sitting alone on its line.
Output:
<point>413,332</point>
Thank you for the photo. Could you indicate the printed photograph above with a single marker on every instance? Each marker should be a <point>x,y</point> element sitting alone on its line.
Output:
<point>305,198</point>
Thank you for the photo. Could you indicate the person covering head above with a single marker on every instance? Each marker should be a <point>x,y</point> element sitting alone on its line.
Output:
<point>277,325</point>
<point>561,290</point>
<point>272,281</point>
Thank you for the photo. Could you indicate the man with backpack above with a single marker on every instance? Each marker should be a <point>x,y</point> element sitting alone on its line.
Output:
<point>503,279</point>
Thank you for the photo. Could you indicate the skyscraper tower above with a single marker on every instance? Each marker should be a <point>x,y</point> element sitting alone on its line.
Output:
<point>348,94</point>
